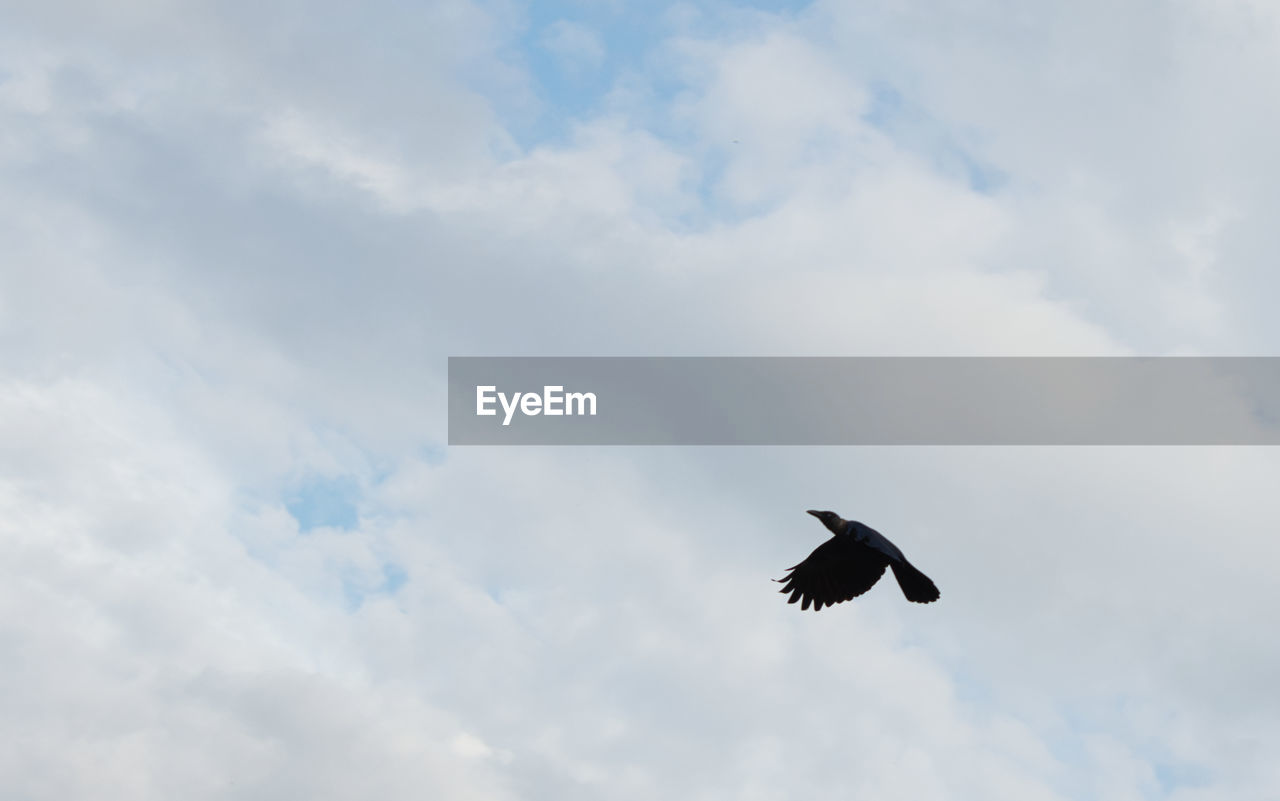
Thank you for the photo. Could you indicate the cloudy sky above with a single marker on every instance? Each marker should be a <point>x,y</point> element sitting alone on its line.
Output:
<point>237,245</point>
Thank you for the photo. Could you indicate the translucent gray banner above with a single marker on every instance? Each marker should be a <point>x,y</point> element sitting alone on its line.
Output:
<point>864,401</point>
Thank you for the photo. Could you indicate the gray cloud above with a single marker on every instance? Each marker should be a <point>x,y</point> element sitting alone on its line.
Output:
<point>239,248</point>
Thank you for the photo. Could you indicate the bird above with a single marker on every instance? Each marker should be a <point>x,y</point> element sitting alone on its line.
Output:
<point>849,564</point>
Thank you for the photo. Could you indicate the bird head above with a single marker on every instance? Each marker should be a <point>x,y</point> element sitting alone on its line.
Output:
<point>834,522</point>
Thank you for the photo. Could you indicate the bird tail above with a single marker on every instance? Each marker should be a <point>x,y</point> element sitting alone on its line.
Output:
<point>915,585</point>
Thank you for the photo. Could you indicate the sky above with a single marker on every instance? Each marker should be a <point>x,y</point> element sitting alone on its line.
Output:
<point>238,243</point>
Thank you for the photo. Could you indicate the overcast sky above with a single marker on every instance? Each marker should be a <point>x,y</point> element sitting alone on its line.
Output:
<point>238,243</point>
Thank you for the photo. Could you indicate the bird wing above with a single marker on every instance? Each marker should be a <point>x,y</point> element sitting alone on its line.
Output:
<point>838,570</point>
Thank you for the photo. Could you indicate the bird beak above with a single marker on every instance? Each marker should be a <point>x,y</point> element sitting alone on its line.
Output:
<point>814,513</point>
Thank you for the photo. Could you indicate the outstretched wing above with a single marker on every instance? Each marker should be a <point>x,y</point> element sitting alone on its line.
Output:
<point>838,570</point>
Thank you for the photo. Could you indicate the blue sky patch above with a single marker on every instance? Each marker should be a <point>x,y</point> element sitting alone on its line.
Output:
<point>325,503</point>
<point>578,52</point>
<point>914,129</point>
<point>355,590</point>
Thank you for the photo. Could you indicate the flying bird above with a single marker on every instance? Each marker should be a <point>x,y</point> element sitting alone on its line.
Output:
<point>849,564</point>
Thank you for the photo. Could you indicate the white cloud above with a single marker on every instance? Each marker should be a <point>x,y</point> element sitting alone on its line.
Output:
<point>238,252</point>
<point>347,161</point>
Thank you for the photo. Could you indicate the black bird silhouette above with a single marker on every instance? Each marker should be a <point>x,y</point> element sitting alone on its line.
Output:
<point>849,564</point>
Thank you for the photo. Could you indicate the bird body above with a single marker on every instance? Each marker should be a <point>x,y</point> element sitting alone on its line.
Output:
<point>849,564</point>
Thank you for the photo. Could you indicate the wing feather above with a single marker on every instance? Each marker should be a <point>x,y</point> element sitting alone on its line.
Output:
<point>838,570</point>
